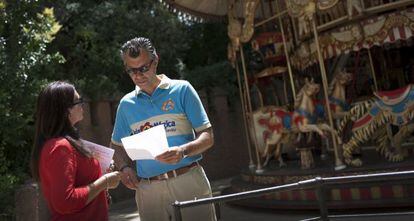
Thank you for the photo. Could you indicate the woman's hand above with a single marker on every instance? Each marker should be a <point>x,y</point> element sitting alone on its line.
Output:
<point>107,181</point>
<point>112,179</point>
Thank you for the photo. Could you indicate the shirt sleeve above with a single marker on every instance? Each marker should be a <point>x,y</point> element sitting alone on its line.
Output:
<point>121,127</point>
<point>194,109</point>
<point>61,166</point>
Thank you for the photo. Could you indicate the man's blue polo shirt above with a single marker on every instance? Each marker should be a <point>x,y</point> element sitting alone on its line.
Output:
<point>175,104</point>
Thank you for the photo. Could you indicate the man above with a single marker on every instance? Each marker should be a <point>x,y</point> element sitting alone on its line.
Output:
<point>175,174</point>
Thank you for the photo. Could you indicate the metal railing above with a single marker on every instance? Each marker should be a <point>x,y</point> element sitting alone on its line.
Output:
<point>319,183</point>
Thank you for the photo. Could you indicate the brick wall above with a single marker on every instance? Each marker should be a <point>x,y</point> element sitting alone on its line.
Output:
<point>229,154</point>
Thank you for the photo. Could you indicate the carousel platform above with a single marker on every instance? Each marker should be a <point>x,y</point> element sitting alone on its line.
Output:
<point>367,195</point>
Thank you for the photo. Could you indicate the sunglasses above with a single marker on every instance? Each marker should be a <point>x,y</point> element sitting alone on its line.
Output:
<point>79,101</point>
<point>140,70</point>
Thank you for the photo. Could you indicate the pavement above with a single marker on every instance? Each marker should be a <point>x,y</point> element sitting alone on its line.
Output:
<point>127,211</point>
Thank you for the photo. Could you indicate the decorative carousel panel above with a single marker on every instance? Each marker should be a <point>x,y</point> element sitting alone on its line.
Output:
<point>381,30</point>
<point>270,46</point>
<point>376,31</point>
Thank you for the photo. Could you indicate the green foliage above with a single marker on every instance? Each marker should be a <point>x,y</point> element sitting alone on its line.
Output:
<point>206,65</point>
<point>208,43</point>
<point>83,48</point>
<point>26,30</point>
<point>212,77</point>
<point>94,31</point>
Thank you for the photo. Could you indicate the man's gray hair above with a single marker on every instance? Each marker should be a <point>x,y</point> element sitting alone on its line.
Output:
<point>134,46</point>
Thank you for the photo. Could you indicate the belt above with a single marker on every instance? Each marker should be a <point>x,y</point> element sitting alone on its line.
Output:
<point>174,173</point>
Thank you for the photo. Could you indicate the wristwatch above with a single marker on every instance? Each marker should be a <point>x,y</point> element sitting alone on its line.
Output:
<point>184,153</point>
<point>123,167</point>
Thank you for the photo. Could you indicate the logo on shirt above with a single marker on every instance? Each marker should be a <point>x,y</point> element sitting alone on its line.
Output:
<point>168,105</point>
<point>169,126</point>
<point>146,126</point>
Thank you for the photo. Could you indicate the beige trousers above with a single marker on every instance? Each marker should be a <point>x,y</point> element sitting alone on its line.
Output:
<point>155,198</point>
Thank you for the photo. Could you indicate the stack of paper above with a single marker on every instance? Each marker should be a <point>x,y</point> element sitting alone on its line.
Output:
<point>101,153</point>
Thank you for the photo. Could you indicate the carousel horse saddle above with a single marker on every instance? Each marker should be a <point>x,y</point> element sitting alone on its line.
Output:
<point>284,122</point>
<point>393,97</point>
<point>398,103</point>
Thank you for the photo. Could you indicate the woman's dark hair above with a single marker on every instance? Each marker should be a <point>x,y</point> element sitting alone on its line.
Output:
<point>52,121</point>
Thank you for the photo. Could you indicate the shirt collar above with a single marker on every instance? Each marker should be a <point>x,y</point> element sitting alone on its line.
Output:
<point>164,84</point>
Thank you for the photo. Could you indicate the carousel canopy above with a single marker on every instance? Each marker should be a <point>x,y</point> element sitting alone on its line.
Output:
<point>214,10</point>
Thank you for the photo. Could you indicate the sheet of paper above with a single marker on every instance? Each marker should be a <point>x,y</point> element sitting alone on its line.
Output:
<point>147,144</point>
<point>101,153</point>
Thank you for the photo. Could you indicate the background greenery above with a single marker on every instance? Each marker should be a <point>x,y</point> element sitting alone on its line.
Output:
<point>79,41</point>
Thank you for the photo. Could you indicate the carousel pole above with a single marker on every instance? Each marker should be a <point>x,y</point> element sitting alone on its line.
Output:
<point>339,165</point>
<point>259,168</point>
<point>295,32</point>
<point>260,96</point>
<point>251,163</point>
<point>285,89</point>
<point>292,84</point>
<point>371,64</point>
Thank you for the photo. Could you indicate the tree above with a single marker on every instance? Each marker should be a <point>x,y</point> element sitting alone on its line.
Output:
<point>206,65</point>
<point>83,48</point>
<point>93,32</point>
<point>26,29</point>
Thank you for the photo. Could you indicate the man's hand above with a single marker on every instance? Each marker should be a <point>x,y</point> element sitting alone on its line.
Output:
<point>129,178</point>
<point>172,156</point>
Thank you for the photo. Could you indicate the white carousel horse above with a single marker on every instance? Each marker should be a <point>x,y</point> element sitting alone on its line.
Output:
<point>305,116</point>
<point>275,125</point>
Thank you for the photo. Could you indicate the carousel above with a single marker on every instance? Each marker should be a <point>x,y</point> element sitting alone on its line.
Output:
<point>327,90</point>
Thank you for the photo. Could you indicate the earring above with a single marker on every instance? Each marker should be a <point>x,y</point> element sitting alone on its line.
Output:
<point>69,114</point>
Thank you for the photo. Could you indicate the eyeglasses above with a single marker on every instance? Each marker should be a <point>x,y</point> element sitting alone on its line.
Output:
<point>79,101</point>
<point>140,70</point>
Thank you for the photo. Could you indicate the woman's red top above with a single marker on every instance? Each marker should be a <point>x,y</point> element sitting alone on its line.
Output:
<point>64,176</point>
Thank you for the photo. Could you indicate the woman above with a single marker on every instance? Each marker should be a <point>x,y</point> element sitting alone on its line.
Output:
<point>70,178</point>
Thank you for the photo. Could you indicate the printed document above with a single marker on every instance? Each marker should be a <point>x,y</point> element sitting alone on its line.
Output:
<point>101,153</point>
<point>147,144</point>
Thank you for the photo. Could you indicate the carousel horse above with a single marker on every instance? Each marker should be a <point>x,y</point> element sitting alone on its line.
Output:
<point>272,128</point>
<point>371,118</point>
<point>337,101</point>
<point>305,116</point>
<point>276,125</point>
<point>337,96</point>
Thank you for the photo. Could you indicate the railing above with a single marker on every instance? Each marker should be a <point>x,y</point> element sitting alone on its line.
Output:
<point>318,183</point>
